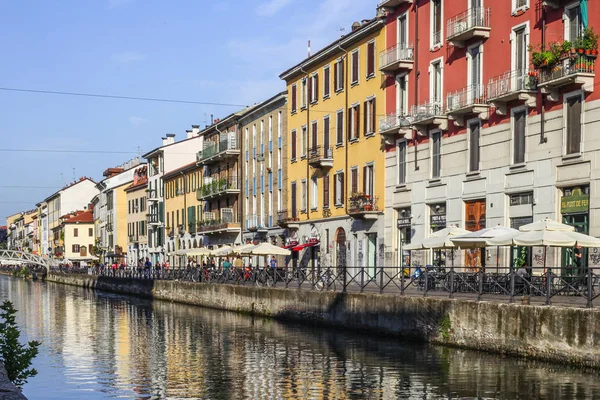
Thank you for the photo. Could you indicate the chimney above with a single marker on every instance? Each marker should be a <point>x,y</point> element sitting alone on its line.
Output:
<point>164,141</point>
<point>355,26</point>
<point>195,130</point>
<point>170,139</point>
<point>189,133</point>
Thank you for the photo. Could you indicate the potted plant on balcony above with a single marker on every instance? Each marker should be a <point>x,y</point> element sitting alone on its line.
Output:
<point>566,48</point>
<point>590,41</point>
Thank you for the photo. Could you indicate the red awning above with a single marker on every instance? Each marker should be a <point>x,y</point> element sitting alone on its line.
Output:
<point>305,245</point>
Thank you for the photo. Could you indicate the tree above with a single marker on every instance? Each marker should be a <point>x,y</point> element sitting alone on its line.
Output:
<point>15,356</point>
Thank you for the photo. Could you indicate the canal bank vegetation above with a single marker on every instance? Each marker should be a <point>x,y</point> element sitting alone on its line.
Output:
<point>16,357</point>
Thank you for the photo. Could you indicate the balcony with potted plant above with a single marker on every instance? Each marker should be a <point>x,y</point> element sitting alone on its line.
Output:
<point>320,157</point>
<point>363,206</point>
<point>516,85</point>
<point>218,187</point>
<point>561,65</point>
<point>288,219</point>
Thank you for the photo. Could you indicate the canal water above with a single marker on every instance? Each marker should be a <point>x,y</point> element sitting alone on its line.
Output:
<point>100,345</point>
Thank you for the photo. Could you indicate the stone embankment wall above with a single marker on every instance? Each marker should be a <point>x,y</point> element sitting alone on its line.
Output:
<point>8,391</point>
<point>550,333</point>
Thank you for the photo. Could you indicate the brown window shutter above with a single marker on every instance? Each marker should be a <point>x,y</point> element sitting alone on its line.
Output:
<point>309,90</point>
<point>335,190</point>
<point>354,67</point>
<point>326,191</point>
<point>370,58</point>
<point>373,115</point>
<point>335,76</point>
<point>316,78</point>
<point>357,120</point>
<point>350,133</point>
<point>365,119</point>
<point>340,127</point>
<point>342,190</point>
<point>293,144</point>
<point>326,81</point>
<point>342,73</point>
<point>365,179</point>
<point>294,98</point>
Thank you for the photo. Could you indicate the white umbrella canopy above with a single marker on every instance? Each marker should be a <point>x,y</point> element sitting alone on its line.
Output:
<point>222,251</point>
<point>546,238</point>
<point>479,238</point>
<point>242,249</point>
<point>202,251</point>
<point>546,225</point>
<point>439,240</point>
<point>267,249</point>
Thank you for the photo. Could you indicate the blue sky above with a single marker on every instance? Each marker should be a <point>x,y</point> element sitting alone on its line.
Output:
<point>223,51</point>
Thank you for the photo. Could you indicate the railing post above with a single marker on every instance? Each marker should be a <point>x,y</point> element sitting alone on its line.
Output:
<point>287,281</point>
<point>548,286</point>
<point>512,284</point>
<point>480,289</point>
<point>344,279</point>
<point>589,288</point>
<point>381,281</point>
<point>362,278</point>
<point>426,273</point>
<point>402,279</point>
<point>452,282</point>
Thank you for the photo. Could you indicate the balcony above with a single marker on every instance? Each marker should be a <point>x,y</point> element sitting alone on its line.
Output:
<point>363,206</point>
<point>218,187</point>
<point>320,157</point>
<point>578,70</point>
<point>153,219</point>
<point>288,219</point>
<point>134,239</point>
<point>399,58</point>
<point>518,85</point>
<point>226,223</point>
<point>392,4</point>
<point>256,223</point>
<point>109,227</point>
<point>426,114</point>
<point>394,124</point>
<point>224,150</point>
<point>470,24</point>
<point>470,100</point>
<point>152,195</point>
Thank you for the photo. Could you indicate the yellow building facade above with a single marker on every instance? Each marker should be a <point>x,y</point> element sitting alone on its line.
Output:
<point>336,159</point>
<point>183,210</point>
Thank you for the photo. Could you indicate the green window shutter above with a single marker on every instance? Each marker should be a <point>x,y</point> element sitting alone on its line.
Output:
<point>161,211</point>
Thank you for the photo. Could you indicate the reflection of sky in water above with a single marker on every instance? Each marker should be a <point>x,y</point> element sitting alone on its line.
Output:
<point>98,345</point>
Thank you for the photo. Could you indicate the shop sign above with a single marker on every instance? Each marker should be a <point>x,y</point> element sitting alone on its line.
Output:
<point>576,202</point>
<point>438,220</point>
<point>404,222</point>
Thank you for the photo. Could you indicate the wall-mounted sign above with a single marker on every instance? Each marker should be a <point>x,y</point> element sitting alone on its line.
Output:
<point>404,223</point>
<point>576,201</point>
<point>438,220</point>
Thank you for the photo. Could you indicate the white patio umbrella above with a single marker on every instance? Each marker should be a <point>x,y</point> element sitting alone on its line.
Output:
<point>546,225</point>
<point>439,240</point>
<point>242,249</point>
<point>546,238</point>
<point>267,249</point>
<point>479,238</point>
<point>222,251</point>
<point>202,251</point>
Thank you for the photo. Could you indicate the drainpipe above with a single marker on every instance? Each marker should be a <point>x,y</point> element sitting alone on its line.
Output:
<point>347,146</point>
<point>185,208</point>
<point>308,135</point>
<point>543,138</point>
<point>417,75</point>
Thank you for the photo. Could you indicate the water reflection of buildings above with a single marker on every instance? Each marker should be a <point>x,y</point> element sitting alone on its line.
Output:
<point>128,347</point>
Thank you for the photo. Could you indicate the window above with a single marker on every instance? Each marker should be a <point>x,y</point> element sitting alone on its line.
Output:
<point>90,232</point>
<point>340,127</point>
<point>368,179</point>
<point>338,188</point>
<point>573,125</point>
<point>314,194</point>
<point>519,5</point>
<point>326,191</point>
<point>436,83</point>
<point>436,154</point>
<point>304,95</point>
<point>326,143</point>
<point>475,66</point>
<point>293,140</point>
<point>326,71</point>
<point>354,180</point>
<point>520,54</point>
<point>314,88</point>
<point>353,122</point>
<point>401,96</point>
<point>338,75</point>
<point>355,66</point>
<point>314,135</point>
<point>572,22</point>
<point>370,59</point>
<point>304,141</point>
<point>294,202</point>
<point>401,161</point>
<point>294,99</point>
<point>370,117</point>
<point>519,136</point>
<point>303,194</point>
<point>75,232</point>
<point>436,23</point>
<point>75,248</point>
<point>474,146</point>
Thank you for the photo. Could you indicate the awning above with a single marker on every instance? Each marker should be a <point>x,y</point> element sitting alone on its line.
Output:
<point>305,245</point>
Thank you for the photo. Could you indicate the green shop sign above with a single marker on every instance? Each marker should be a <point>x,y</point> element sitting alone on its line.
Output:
<point>576,202</point>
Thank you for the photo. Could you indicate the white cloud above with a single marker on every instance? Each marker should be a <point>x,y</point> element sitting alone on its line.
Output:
<point>137,121</point>
<point>271,7</point>
<point>127,57</point>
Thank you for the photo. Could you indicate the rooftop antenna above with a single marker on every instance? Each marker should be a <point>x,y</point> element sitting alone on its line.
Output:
<point>342,30</point>
<point>308,48</point>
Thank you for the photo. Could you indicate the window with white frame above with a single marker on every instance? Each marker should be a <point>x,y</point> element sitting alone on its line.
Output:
<point>314,194</point>
<point>401,95</point>
<point>326,128</point>
<point>355,73</point>
<point>339,128</point>
<point>435,83</point>
<point>294,99</point>
<point>519,6</point>
<point>304,97</point>
<point>326,81</point>
<point>369,179</point>
<point>304,141</point>
<point>354,180</point>
<point>354,122</point>
<point>436,23</point>
<point>573,107</point>
<point>314,88</point>
<point>401,161</point>
<point>474,151</point>
<point>338,75</point>
<point>519,122</point>
<point>475,74</point>
<point>371,59</point>
<point>338,188</point>
<point>370,116</point>
<point>436,154</point>
<point>572,22</point>
<point>520,56</point>
<point>303,195</point>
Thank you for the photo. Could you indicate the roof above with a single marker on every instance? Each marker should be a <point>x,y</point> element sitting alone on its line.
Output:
<point>365,29</point>
<point>251,114</point>
<point>142,183</point>
<point>70,185</point>
<point>80,217</point>
<point>185,168</point>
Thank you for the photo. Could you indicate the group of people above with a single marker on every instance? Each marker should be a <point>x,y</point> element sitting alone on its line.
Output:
<point>236,263</point>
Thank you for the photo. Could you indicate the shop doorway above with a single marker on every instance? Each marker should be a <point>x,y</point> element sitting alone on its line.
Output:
<point>340,250</point>
<point>575,260</point>
<point>371,254</point>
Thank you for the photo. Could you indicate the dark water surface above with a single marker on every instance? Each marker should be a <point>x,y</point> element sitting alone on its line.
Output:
<point>99,345</point>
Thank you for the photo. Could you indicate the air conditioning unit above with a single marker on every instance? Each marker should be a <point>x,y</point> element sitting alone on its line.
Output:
<point>260,158</point>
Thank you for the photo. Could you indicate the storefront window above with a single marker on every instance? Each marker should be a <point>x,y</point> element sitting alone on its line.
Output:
<point>475,220</point>
<point>404,225</point>
<point>438,222</point>
<point>574,207</point>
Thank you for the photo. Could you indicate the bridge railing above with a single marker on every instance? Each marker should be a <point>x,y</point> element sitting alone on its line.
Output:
<point>578,287</point>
